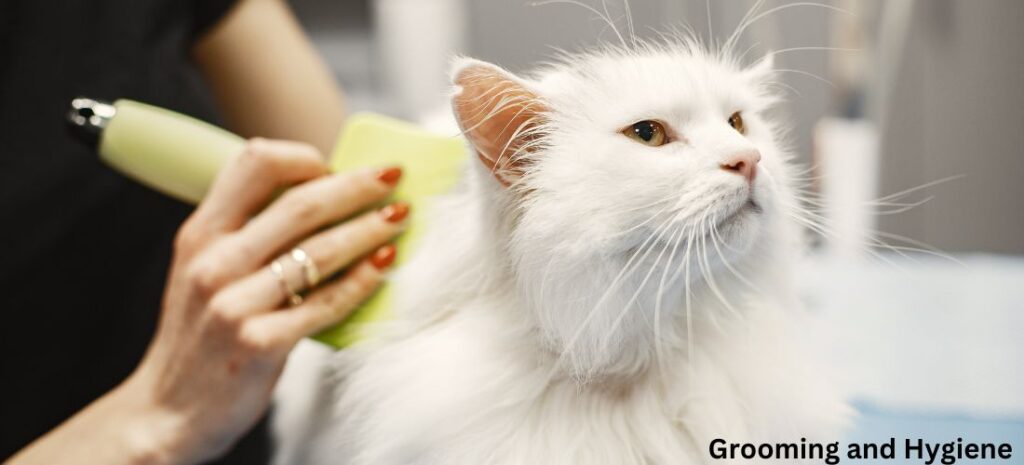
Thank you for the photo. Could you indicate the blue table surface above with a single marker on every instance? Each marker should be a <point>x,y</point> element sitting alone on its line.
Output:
<point>877,424</point>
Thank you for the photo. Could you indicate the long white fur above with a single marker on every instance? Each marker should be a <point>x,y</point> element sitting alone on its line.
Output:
<point>604,309</point>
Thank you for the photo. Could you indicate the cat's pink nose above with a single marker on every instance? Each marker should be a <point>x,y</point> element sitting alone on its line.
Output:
<point>743,163</point>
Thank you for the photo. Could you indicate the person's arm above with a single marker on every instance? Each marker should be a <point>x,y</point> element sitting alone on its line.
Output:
<point>226,326</point>
<point>266,77</point>
<point>122,427</point>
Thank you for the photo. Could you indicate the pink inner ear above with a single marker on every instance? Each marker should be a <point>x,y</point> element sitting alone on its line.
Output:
<point>499,116</point>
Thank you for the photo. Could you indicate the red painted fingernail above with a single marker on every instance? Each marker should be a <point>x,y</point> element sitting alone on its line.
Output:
<point>390,176</point>
<point>395,212</point>
<point>384,257</point>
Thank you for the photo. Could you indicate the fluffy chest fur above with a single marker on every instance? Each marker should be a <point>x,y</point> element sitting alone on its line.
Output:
<point>472,390</point>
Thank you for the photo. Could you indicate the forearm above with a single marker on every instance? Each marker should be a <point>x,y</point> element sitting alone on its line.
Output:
<point>120,428</point>
<point>267,78</point>
<point>228,321</point>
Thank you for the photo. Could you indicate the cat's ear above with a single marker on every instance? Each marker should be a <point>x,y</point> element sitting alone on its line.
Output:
<point>499,114</point>
<point>763,69</point>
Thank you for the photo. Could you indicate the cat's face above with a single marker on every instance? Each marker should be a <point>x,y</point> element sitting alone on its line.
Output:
<point>661,157</point>
<point>662,144</point>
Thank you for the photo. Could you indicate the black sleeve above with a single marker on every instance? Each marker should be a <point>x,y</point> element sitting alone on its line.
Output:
<point>206,14</point>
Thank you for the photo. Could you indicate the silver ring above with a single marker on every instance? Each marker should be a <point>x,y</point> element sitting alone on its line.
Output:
<point>278,270</point>
<point>309,269</point>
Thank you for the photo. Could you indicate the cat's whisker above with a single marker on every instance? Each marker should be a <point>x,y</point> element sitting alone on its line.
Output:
<point>654,234</point>
<point>900,207</point>
<point>645,222</point>
<point>525,129</point>
<point>606,17</point>
<point>755,19</point>
<point>611,23</point>
<point>740,27</point>
<point>547,272</point>
<point>873,241</point>
<point>891,200</point>
<point>805,182</point>
<point>711,27</point>
<point>712,317</point>
<point>828,232</point>
<point>815,198</point>
<point>497,103</point>
<point>659,298</point>
<point>650,248</point>
<point>602,347</point>
<point>728,266</point>
<point>655,203</point>
<point>493,94</point>
<point>788,87</point>
<point>812,48</point>
<point>819,204</point>
<point>672,34</point>
<point>709,276</point>
<point>508,97</point>
<point>922,247</point>
<point>868,248</point>
<point>688,298</point>
<point>629,22</point>
<point>813,216</point>
<point>805,73</point>
<point>630,265</point>
<point>922,186</point>
<point>809,169</point>
<point>740,57</point>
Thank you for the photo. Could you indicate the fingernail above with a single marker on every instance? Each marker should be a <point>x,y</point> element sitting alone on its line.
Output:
<point>384,257</point>
<point>395,212</point>
<point>390,176</point>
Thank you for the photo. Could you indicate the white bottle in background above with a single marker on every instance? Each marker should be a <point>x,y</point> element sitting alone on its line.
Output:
<point>846,159</point>
<point>415,40</point>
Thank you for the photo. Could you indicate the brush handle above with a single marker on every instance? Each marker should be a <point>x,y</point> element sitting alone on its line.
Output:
<point>170,152</point>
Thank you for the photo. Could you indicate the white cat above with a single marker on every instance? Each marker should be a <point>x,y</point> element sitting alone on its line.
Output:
<point>610,284</point>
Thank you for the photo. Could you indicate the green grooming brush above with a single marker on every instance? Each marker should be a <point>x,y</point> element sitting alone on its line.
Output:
<point>180,156</point>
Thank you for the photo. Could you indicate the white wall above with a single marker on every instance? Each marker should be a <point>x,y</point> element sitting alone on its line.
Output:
<point>957,108</point>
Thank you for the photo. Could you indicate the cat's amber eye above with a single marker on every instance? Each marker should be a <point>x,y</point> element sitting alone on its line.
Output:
<point>647,132</point>
<point>736,121</point>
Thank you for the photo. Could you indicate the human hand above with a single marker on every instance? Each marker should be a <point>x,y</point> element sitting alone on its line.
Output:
<point>226,327</point>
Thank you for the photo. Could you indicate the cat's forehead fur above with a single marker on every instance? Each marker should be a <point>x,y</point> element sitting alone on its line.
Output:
<point>677,82</point>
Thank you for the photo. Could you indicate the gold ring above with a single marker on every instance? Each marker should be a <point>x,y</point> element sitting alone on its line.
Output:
<point>278,270</point>
<point>309,269</point>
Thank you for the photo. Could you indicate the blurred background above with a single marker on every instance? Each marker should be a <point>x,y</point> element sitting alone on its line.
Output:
<point>931,87</point>
<point>883,96</point>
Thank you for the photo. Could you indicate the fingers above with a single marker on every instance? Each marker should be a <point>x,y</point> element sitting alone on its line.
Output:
<point>330,251</point>
<point>325,306</point>
<point>247,183</point>
<point>293,216</point>
<point>342,244</point>
<point>303,210</point>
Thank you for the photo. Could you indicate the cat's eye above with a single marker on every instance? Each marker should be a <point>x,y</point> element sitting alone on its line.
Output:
<point>647,132</point>
<point>736,121</point>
